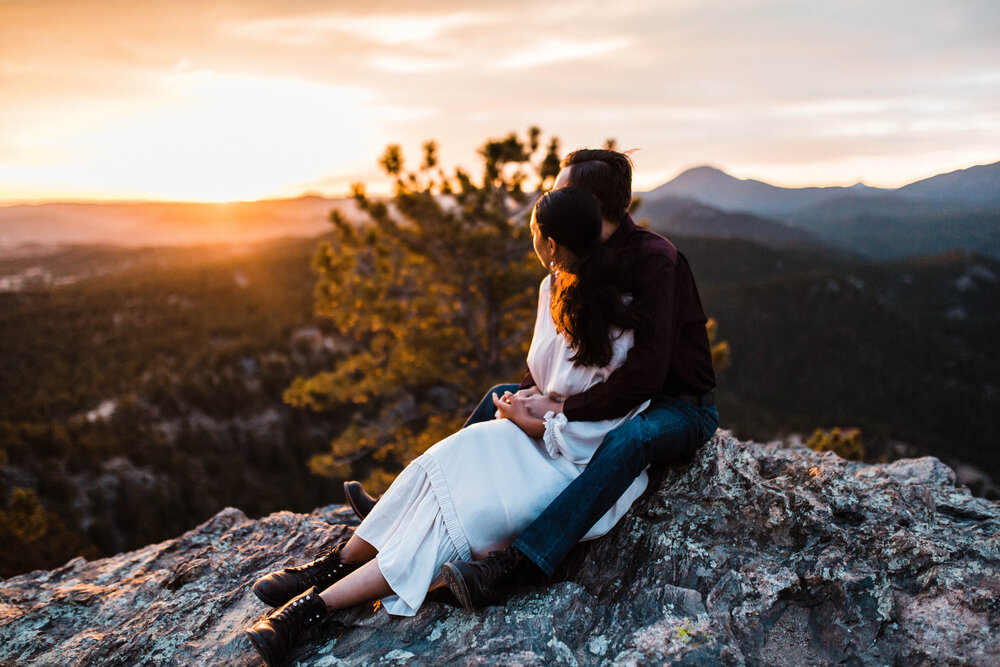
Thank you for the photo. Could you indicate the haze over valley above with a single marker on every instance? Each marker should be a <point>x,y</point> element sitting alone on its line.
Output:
<point>957,211</point>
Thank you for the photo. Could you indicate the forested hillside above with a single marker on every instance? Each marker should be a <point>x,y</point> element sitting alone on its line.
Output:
<point>141,400</point>
<point>907,352</point>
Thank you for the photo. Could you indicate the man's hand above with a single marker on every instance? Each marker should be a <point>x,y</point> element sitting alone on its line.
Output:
<point>539,404</point>
<point>529,391</point>
<point>512,407</point>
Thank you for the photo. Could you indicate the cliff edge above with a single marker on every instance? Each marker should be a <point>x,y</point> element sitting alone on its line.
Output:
<point>749,555</point>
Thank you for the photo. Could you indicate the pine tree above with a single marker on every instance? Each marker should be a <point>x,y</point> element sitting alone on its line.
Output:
<point>436,290</point>
<point>845,443</point>
<point>720,349</point>
<point>33,537</point>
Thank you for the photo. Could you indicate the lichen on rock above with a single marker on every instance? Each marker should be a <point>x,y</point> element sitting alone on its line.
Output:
<point>748,554</point>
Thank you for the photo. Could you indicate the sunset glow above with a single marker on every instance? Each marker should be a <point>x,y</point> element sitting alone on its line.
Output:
<point>219,101</point>
<point>206,138</point>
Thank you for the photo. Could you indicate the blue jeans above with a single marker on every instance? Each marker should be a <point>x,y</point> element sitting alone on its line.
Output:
<point>668,430</point>
<point>485,411</point>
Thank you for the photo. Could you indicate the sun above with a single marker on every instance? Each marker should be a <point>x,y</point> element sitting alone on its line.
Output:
<point>211,138</point>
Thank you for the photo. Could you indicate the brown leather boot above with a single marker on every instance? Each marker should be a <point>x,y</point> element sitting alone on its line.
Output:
<point>276,634</point>
<point>279,587</point>
<point>482,582</point>
<point>359,501</point>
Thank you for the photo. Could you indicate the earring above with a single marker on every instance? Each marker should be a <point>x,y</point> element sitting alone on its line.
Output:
<point>552,266</point>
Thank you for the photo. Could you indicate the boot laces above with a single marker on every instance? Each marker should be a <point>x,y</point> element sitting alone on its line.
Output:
<point>322,559</point>
<point>313,573</point>
<point>295,616</point>
<point>499,564</point>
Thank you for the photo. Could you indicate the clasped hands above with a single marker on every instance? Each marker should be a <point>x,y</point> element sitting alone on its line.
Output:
<point>527,409</point>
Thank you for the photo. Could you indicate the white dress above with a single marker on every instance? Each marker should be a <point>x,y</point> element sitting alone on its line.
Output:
<point>478,489</point>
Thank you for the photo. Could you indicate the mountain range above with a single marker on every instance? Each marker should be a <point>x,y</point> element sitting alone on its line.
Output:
<point>954,211</point>
<point>975,186</point>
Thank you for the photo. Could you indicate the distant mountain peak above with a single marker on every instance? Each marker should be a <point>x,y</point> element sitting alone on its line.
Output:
<point>713,186</point>
<point>703,169</point>
<point>704,172</point>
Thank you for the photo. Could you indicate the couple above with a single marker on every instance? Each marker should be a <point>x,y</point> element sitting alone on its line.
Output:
<point>619,376</point>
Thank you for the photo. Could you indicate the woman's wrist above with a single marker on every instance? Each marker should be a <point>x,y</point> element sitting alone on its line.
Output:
<point>533,427</point>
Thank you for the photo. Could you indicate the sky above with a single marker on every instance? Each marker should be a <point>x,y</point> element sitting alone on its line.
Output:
<point>218,100</point>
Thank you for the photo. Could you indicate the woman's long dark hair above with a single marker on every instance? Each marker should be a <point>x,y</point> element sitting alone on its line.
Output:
<point>587,296</point>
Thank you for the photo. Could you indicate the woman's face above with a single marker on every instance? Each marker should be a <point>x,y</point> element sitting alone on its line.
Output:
<point>542,245</point>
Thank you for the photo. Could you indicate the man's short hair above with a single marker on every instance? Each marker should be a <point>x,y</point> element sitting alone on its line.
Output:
<point>608,176</point>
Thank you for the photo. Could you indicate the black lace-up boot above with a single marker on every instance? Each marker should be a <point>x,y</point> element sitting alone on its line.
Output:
<point>481,582</point>
<point>279,587</point>
<point>273,636</point>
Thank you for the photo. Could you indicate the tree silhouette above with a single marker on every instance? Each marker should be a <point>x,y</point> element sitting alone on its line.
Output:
<point>436,290</point>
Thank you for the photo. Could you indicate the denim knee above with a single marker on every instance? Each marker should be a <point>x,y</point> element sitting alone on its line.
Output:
<point>626,447</point>
<point>485,410</point>
<point>711,422</point>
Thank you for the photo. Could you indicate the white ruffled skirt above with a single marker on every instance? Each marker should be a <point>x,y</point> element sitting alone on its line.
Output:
<point>472,493</point>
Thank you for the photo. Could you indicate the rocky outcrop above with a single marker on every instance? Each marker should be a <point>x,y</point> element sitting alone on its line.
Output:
<point>748,555</point>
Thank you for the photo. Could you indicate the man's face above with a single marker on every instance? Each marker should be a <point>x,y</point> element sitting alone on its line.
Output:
<point>562,178</point>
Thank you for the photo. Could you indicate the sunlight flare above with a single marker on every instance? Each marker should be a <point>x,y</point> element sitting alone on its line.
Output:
<point>213,138</point>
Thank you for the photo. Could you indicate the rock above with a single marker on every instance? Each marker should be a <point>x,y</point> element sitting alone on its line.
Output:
<point>748,555</point>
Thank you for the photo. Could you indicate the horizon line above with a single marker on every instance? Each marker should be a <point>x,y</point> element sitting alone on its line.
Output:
<point>307,194</point>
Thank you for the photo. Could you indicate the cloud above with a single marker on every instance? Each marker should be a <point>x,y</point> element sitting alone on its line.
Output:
<point>386,30</point>
<point>749,82</point>
<point>549,51</point>
<point>413,64</point>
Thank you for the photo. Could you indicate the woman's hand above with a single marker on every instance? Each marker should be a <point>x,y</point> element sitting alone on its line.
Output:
<point>513,407</point>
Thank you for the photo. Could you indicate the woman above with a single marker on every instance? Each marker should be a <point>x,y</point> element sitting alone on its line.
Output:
<point>477,490</point>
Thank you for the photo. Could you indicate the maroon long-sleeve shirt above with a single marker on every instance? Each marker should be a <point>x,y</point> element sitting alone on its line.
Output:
<point>671,354</point>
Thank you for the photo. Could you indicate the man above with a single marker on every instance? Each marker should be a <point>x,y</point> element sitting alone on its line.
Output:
<point>670,364</point>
